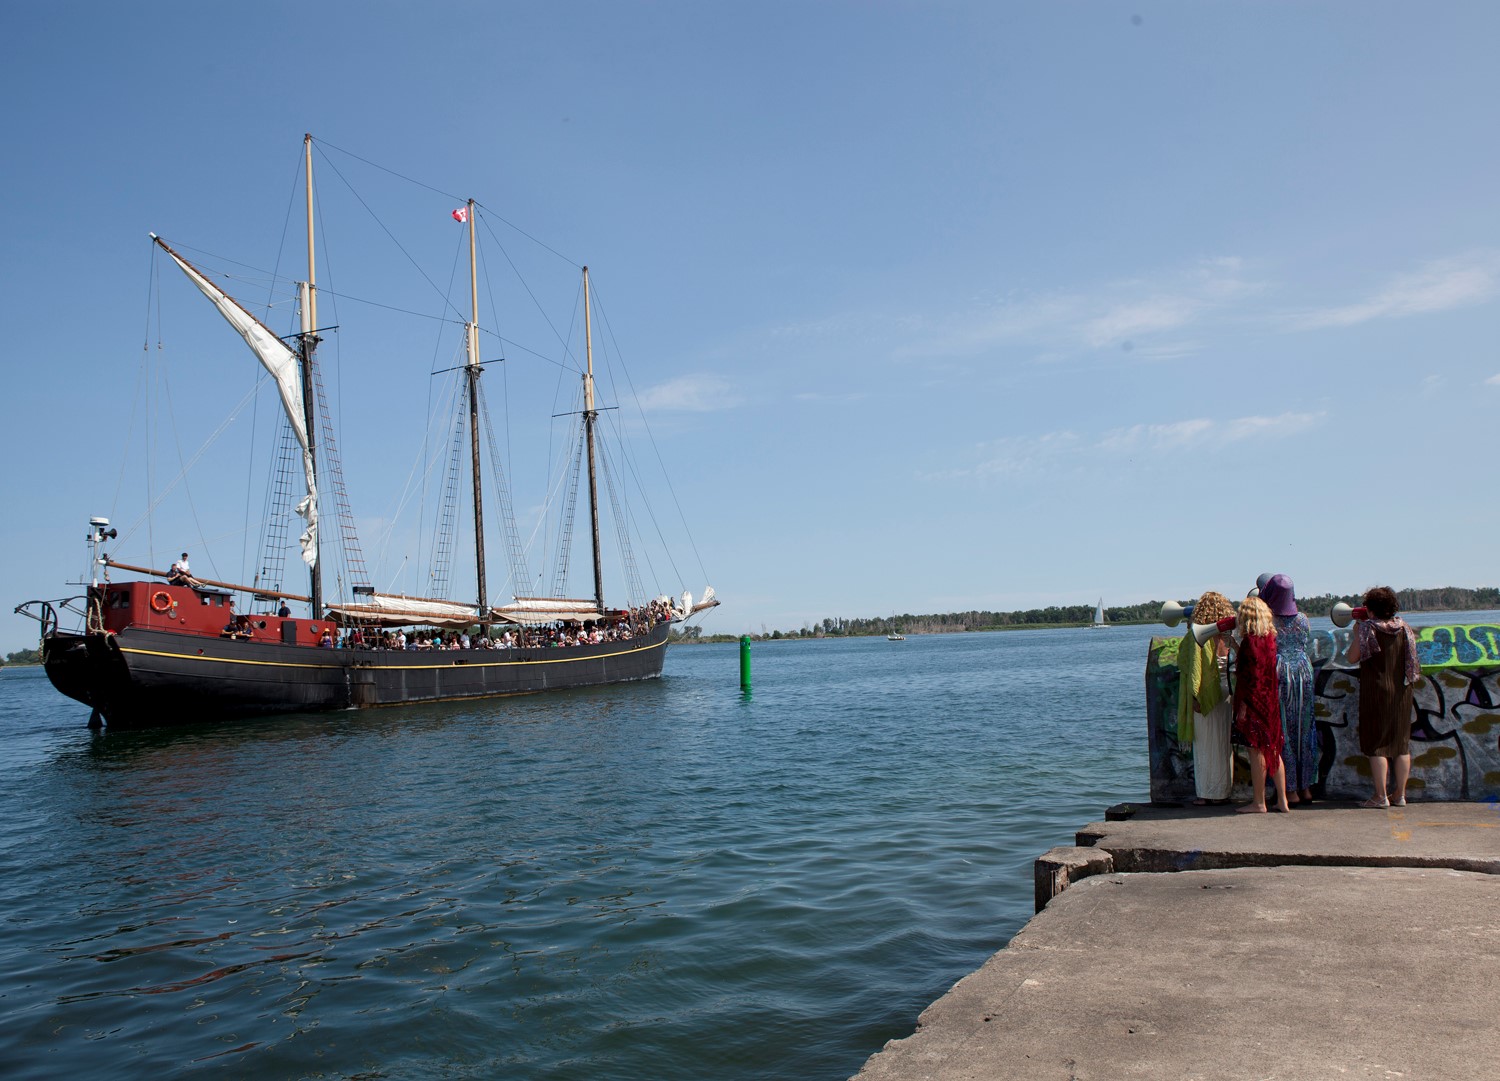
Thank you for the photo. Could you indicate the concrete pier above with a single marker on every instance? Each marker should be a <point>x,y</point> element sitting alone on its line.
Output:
<point>1198,943</point>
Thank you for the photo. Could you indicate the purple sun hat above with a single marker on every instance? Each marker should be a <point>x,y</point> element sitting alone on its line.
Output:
<point>1278,595</point>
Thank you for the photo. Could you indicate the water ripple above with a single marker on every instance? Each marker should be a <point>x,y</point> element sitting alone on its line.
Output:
<point>671,880</point>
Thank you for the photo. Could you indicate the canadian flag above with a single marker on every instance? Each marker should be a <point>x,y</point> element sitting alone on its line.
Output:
<point>461,214</point>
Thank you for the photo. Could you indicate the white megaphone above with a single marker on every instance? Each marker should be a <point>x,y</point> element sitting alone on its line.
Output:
<point>1202,632</point>
<point>1173,613</point>
<point>1342,615</point>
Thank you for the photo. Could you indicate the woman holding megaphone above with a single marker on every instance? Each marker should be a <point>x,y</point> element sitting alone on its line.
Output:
<point>1257,704</point>
<point>1386,651</point>
<point>1203,702</point>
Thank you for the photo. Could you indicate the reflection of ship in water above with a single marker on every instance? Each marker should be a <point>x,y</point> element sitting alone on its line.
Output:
<point>151,652</point>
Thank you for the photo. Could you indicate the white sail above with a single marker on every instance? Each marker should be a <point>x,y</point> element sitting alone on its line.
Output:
<point>283,364</point>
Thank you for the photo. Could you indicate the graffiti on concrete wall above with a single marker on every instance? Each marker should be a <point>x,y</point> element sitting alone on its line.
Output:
<point>1455,730</point>
<point>1458,647</point>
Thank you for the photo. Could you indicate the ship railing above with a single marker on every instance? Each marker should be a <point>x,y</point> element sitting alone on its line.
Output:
<point>48,613</point>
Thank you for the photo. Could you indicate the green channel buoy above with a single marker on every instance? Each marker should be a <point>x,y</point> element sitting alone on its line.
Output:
<point>745,662</point>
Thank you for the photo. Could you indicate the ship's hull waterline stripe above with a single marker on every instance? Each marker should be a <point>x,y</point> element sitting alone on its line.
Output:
<point>389,667</point>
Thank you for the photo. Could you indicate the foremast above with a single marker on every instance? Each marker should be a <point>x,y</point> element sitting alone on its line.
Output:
<point>307,346</point>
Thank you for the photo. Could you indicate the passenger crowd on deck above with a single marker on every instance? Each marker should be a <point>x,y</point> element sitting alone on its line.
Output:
<point>630,623</point>
<point>627,624</point>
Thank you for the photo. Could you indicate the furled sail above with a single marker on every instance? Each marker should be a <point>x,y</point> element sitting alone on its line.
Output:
<point>388,610</point>
<point>536,610</point>
<point>283,364</point>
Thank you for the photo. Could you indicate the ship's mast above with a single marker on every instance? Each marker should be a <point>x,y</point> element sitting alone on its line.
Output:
<point>473,371</point>
<point>590,415</point>
<point>308,342</point>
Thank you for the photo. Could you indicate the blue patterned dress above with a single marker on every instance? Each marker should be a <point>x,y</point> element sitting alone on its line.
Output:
<point>1294,679</point>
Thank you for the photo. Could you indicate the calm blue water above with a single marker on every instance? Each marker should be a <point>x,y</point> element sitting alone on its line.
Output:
<point>667,880</point>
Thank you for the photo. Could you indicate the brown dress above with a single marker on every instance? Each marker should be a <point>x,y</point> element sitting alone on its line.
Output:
<point>1385,699</point>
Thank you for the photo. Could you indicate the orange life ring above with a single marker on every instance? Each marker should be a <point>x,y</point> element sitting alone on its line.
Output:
<point>161,601</point>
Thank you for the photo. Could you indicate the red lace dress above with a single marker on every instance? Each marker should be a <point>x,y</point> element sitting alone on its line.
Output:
<point>1257,701</point>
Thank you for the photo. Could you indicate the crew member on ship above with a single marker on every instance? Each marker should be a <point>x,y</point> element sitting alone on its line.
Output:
<point>179,575</point>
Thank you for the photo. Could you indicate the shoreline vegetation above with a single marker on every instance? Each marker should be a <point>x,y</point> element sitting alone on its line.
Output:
<point>1445,599</point>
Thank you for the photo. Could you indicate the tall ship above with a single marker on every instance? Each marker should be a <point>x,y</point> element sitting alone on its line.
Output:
<point>146,646</point>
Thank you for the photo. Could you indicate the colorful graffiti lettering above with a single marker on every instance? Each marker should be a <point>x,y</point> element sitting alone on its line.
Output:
<point>1458,647</point>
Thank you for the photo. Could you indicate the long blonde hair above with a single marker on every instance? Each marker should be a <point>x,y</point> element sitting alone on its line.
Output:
<point>1255,618</point>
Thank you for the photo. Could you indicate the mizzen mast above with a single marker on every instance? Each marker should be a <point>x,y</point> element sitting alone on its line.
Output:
<point>590,416</point>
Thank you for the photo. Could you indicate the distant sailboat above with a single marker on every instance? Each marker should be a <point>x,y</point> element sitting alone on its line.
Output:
<point>1099,616</point>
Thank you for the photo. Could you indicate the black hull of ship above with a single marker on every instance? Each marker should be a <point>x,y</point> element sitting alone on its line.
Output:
<point>146,678</point>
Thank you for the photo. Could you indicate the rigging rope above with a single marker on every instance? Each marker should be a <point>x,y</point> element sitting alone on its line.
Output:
<point>650,436</point>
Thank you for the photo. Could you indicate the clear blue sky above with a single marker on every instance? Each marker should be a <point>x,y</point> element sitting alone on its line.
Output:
<point>934,306</point>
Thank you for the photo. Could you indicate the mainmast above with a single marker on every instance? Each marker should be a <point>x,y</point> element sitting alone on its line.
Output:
<point>473,371</point>
<point>308,342</point>
<point>590,415</point>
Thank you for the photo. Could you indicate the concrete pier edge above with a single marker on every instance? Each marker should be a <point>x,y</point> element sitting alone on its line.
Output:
<point>1369,933</point>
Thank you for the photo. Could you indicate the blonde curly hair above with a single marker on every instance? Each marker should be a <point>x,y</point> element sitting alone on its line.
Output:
<point>1211,608</point>
<point>1255,618</point>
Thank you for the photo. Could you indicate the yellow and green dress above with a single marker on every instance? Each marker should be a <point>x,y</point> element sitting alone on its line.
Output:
<point>1204,714</point>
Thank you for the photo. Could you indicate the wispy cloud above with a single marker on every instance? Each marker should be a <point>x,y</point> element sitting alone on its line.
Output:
<point>1127,314</point>
<point>1167,350</point>
<point>1437,286</point>
<point>1062,449</point>
<point>698,393</point>
<point>1162,316</point>
<point>1493,381</point>
<point>1202,430</point>
<point>1154,436</point>
<point>1126,322</point>
<point>1017,455</point>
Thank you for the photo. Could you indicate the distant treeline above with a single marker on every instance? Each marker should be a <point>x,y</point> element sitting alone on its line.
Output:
<point>1451,598</point>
